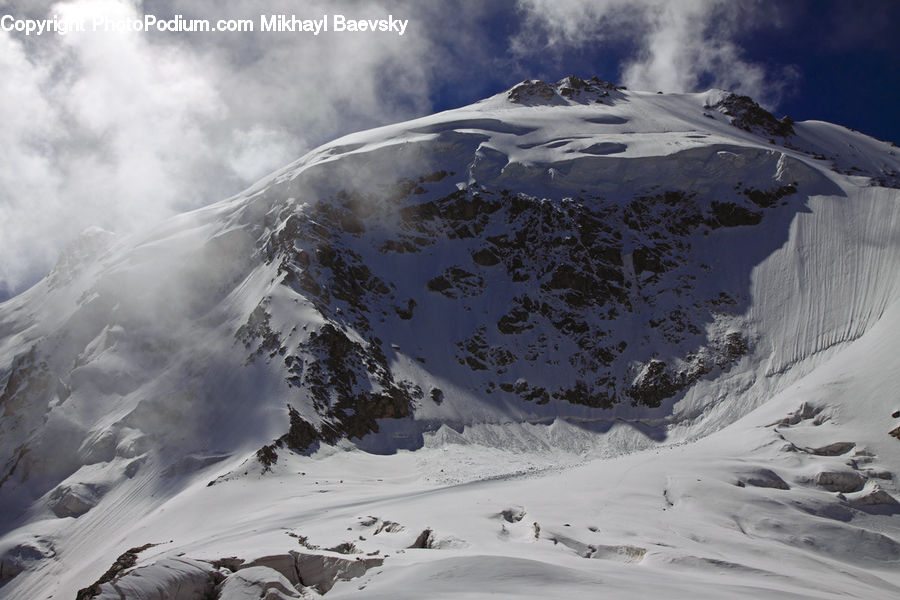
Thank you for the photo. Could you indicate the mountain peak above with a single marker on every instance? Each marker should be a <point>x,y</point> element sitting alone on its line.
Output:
<point>746,114</point>
<point>568,90</point>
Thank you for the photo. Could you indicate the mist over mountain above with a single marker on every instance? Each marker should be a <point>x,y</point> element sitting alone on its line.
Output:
<point>467,352</point>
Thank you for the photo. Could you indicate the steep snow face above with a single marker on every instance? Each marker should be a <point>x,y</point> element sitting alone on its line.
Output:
<point>555,272</point>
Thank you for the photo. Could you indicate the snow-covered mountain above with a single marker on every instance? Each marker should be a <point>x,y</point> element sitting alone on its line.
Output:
<point>465,353</point>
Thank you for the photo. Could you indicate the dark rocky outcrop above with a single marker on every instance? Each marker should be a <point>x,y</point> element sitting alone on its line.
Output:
<point>750,116</point>
<point>125,561</point>
<point>578,268</point>
<point>533,92</point>
<point>424,541</point>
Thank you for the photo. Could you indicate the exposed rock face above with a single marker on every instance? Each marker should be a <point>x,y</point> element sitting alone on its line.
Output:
<point>871,497</point>
<point>765,478</point>
<point>750,116</point>
<point>833,449</point>
<point>22,556</point>
<point>840,481</point>
<point>424,541</point>
<point>584,91</point>
<point>573,271</point>
<point>125,561</point>
<point>30,382</point>
<point>513,514</point>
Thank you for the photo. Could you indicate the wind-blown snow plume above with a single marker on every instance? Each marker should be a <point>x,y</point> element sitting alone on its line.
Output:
<point>683,46</point>
<point>120,130</point>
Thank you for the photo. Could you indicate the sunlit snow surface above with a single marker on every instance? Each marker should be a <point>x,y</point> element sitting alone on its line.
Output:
<point>775,478</point>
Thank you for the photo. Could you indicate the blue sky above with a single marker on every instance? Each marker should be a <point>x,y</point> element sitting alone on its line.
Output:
<point>123,130</point>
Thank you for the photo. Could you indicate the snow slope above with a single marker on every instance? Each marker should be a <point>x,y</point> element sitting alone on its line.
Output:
<point>570,336</point>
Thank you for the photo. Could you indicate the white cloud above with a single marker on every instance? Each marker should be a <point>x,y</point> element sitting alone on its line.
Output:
<point>683,45</point>
<point>121,130</point>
